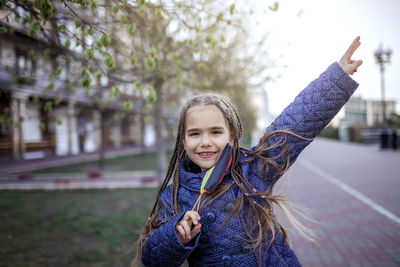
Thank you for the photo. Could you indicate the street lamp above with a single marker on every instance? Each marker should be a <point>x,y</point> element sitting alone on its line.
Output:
<point>383,57</point>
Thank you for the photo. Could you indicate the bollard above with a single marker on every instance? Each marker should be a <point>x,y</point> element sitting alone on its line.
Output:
<point>395,141</point>
<point>384,137</point>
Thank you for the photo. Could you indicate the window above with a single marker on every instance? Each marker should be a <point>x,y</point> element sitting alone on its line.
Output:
<point>25,67</point>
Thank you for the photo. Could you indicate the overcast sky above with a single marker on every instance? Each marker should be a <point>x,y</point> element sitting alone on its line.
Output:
<point>306,36</point>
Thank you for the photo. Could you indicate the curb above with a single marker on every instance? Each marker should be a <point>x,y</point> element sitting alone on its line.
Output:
<point>72,184</point>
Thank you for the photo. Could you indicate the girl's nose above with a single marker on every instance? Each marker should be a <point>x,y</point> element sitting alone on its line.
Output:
<point>205,140</point>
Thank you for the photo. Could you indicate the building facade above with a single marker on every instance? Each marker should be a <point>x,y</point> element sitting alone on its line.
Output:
<point>43,110</point>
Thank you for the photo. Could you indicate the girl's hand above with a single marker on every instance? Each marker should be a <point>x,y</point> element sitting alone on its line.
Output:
<point>184,227</point>
<point>348,65</point>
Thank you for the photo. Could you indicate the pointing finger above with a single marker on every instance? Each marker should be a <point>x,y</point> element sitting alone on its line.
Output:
<point>352,48</point>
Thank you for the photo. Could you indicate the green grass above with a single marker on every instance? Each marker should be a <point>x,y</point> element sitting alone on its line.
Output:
<point>72,228</point>
<point>136,162</point>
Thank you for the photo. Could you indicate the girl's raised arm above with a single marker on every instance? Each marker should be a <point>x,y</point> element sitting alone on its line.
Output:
<point>310,111</point>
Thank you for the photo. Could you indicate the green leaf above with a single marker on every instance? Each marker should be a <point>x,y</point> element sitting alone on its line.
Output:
<point>149,63</point>
<point>147,118</point>
<point>57,102</point>
<point>67,43</point>
<point>175,57</point>
<point>115,91</point>
<point>148,31</point>
<point>131,29</point>
<point>133,61</point>
<point>3,29</point>
<point>91,68</point>
<point>25,20</point>
<point>50,86</point>
<point>90,31</point>
<point>84,72</point>
<point>61,28</point>
<point>34,28</point>
<point>153,52</point>
<point>180,5</point>
<point>105,40</point>
<point>78,23</point>
<point>140,2</point>
<point>127,105</point>
<point>41,126</point>
<point>94,5</point>
<point>274,7</point>
<point>138,84</point>
<point>152,96</point>
<point>58,72</point>
<point>98,75</point>
<point>123,19</point>
<point>48,106</point>
<point>45,8</point>
<point>59,122</point>
<point>115,8</point>
<point>71,87</point>
<point>14,77</point>
<point>31,54</point>
<point>232,9</point>
<point>220,16</point>
<point>85,81</point>
<point>190,42</point>
<point>89,53</point>
<point>202,66</point>
<point>110,62</point>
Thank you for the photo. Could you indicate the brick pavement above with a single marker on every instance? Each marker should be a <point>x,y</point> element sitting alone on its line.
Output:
<point>349,232</point>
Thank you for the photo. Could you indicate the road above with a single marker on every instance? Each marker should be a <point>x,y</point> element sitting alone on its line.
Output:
<point>351,192</point>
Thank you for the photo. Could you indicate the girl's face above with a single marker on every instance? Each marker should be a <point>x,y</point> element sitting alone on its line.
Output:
<point>206,135</point>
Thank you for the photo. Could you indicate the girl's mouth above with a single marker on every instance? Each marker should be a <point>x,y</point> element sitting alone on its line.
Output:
<point>206,155</point>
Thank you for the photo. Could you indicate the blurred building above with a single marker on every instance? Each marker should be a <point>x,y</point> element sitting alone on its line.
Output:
<point>43,109</point>
<point>363,118</point>
<point>366,111</point>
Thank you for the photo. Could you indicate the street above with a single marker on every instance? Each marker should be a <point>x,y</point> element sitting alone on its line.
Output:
<point>351,191</point>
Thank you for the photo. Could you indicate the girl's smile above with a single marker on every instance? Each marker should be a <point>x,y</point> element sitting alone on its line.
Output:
<point>206,134</point>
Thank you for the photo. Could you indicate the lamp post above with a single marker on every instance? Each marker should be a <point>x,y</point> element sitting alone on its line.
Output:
<point>383,57</point>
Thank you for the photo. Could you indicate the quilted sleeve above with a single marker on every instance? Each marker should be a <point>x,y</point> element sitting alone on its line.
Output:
<point>310,112</point>
<point>162,247</point>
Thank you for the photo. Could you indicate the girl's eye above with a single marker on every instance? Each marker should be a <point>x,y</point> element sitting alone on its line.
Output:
<point>193,134</point>
<point>216,132</point>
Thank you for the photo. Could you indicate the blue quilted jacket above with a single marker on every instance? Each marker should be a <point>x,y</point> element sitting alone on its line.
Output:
<point>307,115</point>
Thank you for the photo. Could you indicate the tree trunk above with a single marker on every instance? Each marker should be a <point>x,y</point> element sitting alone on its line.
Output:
<point>102,140</point>
<point>158,125</point>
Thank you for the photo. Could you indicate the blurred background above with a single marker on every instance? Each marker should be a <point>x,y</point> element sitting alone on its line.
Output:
<point>90,94</point>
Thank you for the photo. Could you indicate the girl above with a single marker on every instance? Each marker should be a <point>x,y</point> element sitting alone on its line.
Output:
<point>235,224</point>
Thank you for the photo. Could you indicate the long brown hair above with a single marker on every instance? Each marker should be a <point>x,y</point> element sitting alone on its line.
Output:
<point>263,221</point>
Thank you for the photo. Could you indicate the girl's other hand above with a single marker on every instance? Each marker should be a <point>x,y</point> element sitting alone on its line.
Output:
<point>348,65</point>
<point>184,227</point>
